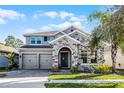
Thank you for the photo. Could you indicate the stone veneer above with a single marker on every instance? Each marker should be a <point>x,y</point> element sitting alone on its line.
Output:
<point>65,43</point>
<point>76,50</point>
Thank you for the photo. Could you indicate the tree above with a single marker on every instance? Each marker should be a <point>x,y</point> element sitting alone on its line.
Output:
<point>94,42</point>
<point>18,43</point>
<point>13,42</point>
<point>10,41</point>
<point>111,29</point>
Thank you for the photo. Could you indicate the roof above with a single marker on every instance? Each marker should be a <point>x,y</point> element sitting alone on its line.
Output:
<point>76,28</point>
<point>36,46</point>
<point>52,33</point>
<point>49,33</point>
<point>6,49</point>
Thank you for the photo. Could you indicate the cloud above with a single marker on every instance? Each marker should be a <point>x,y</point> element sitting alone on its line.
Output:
<point>29,30</point>
<point>54,14</point>
<point>2,21</point>
<point>78,18</point>
<point>61,26</point>
<point>51,14</point>
<point>64,14</point>
<point>9,14</point>
<point>46,28</point>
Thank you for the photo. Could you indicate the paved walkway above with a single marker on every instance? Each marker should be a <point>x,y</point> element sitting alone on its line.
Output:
<point>85,81</point>
<point>24,79</point>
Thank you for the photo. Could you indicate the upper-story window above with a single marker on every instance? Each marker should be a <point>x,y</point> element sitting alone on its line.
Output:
<point>46,38</point>
<point>32,40</point>
<point>35,40</point>
<point>38,40</point>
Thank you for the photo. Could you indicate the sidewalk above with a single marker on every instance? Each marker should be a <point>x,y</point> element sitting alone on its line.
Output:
<point>86,81</point>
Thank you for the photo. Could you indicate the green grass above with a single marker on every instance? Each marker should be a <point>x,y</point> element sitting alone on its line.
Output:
<point>85,76</point>
<point>3,69</point>
<point>84,85</point>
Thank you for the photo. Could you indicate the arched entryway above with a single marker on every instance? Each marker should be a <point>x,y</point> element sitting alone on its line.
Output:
<point>64,58</point>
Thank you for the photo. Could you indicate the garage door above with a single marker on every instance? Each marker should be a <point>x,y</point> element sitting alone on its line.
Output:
<point>30,61</point>
<point>46,61</point>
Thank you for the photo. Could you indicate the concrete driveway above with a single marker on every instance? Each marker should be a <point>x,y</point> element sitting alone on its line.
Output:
<point>24,79</point>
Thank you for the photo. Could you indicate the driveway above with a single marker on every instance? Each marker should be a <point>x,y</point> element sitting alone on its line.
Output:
<point>24,79</point>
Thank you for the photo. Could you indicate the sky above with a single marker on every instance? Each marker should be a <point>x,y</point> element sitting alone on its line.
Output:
<point>20,19</point>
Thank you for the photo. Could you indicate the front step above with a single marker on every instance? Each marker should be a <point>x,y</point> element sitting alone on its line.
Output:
<point>63,72</point>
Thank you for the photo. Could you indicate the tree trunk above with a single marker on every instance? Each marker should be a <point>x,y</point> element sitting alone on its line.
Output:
<point>113,56</point>
<point>96,56</point>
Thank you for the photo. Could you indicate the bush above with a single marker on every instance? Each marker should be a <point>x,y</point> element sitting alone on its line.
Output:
<point>55,69</point>
<point>103,68</point>
<point>74,69</point>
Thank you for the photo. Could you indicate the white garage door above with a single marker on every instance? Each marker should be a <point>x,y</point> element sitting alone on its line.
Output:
<point>46,61</point>
<point>30,61</point>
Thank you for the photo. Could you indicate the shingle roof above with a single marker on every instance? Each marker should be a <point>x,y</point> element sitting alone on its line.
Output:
<point>50,33</point>
<point>4,49</point>
<point>37,46</point>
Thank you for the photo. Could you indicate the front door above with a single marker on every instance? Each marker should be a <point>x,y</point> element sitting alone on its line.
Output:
<point>64,59</point>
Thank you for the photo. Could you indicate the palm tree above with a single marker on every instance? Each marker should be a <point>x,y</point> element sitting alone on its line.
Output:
<point>110,29</point>
<point>94,42</point>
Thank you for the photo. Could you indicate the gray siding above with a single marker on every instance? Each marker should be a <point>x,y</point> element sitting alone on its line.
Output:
<point>28,39</point>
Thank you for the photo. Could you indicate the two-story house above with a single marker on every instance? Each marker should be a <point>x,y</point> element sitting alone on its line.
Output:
<point>63,48</point>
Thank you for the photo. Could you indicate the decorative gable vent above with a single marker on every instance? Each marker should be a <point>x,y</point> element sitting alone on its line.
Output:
<point>72,30</point>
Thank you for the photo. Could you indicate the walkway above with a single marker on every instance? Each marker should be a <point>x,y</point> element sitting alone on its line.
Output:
<point>24,79</point>
<point>86,81</point>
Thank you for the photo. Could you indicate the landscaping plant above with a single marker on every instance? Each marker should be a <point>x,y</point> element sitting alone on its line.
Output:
<point>110,29</point>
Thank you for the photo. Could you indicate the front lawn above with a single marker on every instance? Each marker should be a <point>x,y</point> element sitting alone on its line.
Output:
<point>84,85</point>
<point>86,76</point>
<point>3,69</point>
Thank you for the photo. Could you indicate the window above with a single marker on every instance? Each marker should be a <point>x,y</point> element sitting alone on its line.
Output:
<point>38,40</point>
<point>84,59</point>
<point>93,61</point>
<point>45,38</point>
<point>32,40</point>
<point>84,56</point>
<point>35,40</point>
<point>48,38</point>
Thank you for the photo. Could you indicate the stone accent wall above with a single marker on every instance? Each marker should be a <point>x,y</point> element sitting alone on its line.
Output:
<point>100,54</point>
<point>65,43</point>
<point>76,49</point>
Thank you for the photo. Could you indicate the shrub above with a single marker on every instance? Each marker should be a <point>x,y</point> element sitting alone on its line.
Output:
<point>54,69</point>
<point>12,60</point>
<point>74,69</point>
<point>102,68</point>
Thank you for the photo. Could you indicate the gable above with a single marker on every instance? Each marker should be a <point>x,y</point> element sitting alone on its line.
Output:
<point>80,36</point>
<point>65,37</point>
<point>72,29</point>
<point>69,29</point>
<point>59,34</point>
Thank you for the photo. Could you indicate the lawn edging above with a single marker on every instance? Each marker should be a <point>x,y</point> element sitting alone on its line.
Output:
<point>85,81</point>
